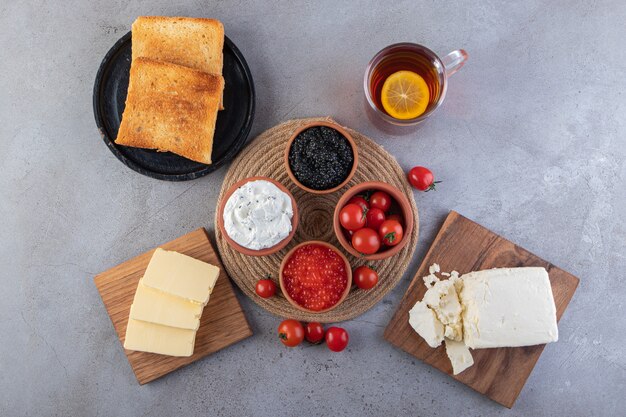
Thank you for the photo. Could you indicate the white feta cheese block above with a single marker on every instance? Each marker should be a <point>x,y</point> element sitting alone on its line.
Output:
<point>508,307</point>
<point>424,321</point>
<point>459,355</point>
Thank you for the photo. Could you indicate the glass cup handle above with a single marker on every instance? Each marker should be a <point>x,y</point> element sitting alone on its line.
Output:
<point>454,61</point>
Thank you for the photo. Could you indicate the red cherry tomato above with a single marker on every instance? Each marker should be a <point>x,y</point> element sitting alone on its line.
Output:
<point>360,201</point>
<point>381,200</point>
<point>422,179</point>
<point>352,217</point>
<point>336,339</point>
<point>365,277</point>
<point>391,232</point>
<point>366,241</point>
<point>265,288</point>
<point>374,218</point>
<point>314,332</point>
<point>291,333</point>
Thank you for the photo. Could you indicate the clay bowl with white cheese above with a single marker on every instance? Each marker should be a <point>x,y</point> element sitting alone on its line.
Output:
<point>258,216</point>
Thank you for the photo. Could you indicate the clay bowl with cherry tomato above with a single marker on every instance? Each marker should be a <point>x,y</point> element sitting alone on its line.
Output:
<point>373,220</point>
<point>315,276</point>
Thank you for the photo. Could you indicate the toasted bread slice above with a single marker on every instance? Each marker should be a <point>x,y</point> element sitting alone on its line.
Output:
<point>193,42</point>
<point>172,108</point>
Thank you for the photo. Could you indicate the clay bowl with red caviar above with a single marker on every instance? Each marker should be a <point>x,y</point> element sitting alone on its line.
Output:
<point>400,209</point>
<point>315,276</point>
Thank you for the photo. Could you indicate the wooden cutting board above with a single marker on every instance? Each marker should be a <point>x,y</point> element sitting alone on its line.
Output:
<point>465,246</point>
<point>222,323</point>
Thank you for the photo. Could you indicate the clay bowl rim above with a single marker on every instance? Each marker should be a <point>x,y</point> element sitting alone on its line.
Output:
<point>344,133</point>
<point>260,252</point>
<point>336,250</point>
<point>398,196</point>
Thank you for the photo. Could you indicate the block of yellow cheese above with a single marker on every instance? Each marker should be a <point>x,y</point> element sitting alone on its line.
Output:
<point>156,338</point>
<point>158,307</point>
<point>180,275</point>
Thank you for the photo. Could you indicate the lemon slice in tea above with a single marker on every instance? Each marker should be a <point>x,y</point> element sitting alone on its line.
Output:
<point>405,95</point>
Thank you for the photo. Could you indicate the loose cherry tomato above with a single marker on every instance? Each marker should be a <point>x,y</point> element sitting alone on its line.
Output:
<point>391,232</point>
<point>352,217</point>
<point>395,216</point>
<point>291,333</point>
<point>314,332</point>
<point>366,241</point>
<point>381,200</point>
<point>365,277</point>
<point>422,179</point>
<point>374,218</point>
<point>337,339</point>
<point>360,201</point>
<point>265,288</point>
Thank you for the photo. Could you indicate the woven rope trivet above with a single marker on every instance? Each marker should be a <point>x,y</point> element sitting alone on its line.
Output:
<point>265,156</point>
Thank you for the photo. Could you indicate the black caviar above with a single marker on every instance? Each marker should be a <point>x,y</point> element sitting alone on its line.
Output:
<point>321,158</point>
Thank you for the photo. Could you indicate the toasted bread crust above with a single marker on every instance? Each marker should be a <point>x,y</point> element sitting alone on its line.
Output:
<point>172,108</point>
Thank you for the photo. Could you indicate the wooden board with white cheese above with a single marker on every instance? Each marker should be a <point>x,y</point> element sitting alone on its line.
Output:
<point>222,322</point>
<point>465,246</point>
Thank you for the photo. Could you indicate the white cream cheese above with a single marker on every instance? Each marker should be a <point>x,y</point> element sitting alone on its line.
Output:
<point>258,215</point>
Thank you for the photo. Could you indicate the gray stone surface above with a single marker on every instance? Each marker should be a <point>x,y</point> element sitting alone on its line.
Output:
<point>529,143</point>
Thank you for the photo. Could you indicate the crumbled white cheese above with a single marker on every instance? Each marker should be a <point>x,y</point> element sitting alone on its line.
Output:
<point>443,299</point>
<point>459,355</point>
<point>426,324</point>
<point>430,280</point>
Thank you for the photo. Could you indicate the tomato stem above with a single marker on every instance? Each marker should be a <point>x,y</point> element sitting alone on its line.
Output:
<point>432,187</point>
<point>366,195</point>
<point>390,237</point>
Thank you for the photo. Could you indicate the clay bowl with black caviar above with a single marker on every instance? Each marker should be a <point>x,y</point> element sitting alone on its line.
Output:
<point>321,157</point>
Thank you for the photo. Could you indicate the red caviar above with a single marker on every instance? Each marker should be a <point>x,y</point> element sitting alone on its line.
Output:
<point>315,277</point>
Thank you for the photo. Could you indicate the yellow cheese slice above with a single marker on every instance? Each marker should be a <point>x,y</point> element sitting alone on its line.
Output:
<point>155,338</point>
<point>181,275</point>
<point>157,307</point>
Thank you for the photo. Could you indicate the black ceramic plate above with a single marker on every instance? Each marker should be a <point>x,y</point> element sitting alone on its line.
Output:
<point>231,130</point>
